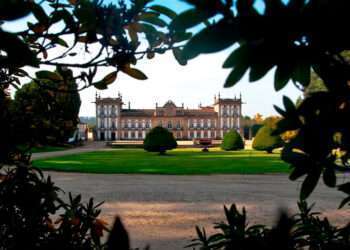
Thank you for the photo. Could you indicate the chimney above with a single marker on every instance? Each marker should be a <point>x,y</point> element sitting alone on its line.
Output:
<point>129,105</point>
<point>183,105</point>
<point>156,104</point>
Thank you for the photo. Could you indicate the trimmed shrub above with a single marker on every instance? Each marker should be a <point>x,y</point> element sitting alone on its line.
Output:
<point>159,140</point>
<point>232,141</point>
<point>266,141</point>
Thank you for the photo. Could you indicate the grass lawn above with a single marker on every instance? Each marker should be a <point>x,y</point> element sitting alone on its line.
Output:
<point>179,161</point>
<point>47,149</point>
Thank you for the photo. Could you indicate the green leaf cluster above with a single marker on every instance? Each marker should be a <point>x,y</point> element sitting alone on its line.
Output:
<point>159,140</point>
<point>232,141</point>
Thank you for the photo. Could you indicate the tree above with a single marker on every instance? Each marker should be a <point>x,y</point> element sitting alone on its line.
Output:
<point>55,35</point>
<point>265,140</point>
<point>232,141</point>
<point>110,35</point>
<point>159,140</point>
<point>52,116</point>
<point>295,37</point>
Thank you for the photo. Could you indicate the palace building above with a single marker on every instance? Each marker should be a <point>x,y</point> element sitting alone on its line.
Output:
<point>115,122</point>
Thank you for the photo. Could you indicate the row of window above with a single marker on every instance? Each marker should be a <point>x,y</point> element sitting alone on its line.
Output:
<point>107,110</point>
<point>230,110</point>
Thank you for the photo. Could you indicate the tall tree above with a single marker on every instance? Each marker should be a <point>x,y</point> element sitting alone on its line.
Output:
<point>51,116</point>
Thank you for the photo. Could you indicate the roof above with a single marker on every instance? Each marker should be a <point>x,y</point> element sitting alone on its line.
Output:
<point>138,112</point>
<point>169,104</point>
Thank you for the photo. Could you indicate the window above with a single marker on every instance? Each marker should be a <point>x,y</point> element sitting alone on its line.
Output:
<point>224,110</point>
<point>178,125</point>
<point>205,134</point>
<point>113,124</point>
<point>191,135</point>
<point>178,135</point>
<point>125,134</point>
<point>212,134</point>
<point>205,124</point>
<point>147,124</point>
<point>139,135</point>
<point>170,125</point>
<point>132,134</point>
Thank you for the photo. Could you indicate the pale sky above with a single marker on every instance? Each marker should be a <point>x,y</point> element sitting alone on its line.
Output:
<point>192,84</point>
<point>195,83</point>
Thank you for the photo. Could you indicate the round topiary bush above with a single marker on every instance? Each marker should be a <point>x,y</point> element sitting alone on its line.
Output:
<point>232,141</point>
<point>159,140</point>
<point>266,141</point>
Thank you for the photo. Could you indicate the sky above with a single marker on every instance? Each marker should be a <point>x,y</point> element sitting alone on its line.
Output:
<point>193,84</point>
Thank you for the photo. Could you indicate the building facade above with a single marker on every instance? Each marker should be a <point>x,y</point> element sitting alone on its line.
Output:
<point>114,122</point>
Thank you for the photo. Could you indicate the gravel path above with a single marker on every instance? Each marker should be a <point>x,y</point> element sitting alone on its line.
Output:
<point>88,147</point>
<point>162,210</point>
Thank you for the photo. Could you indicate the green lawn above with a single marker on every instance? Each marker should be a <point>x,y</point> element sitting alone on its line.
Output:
<point>179,161</point>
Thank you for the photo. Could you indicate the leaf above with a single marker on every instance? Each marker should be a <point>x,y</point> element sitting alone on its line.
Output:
<point>73,2</point>
<point>297,172</point>
<point>258,70</point>
<point>45,74</point>
<point>135,73</point>
<point>237,56</point>
<point>189,18</point>
<point>101,85</point>
<point>118,237</point>
<point>279,110</point>
<point>62,42</point>
<point>110,78</point>
<point>282,76</point>
<point>344,202</point>
<point>329,177</point>
<point>181,36</point>
<point>153,20</point>
<point>178,54</point>
<point>15,9</point>
<point>345,188</point>
<point>212,39</point>
<point>309,184</point>
<point>40,14</point>
<point>164,10</point>
<point>236,74</point>
<point>302,73</point>
<point>288,104</point>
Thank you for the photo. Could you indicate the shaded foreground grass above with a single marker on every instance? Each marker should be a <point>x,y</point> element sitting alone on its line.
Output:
<point>179,161</point>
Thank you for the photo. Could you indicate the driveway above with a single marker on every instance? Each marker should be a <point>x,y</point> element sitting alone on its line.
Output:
<point>162,210</point>
<point>88,147</point>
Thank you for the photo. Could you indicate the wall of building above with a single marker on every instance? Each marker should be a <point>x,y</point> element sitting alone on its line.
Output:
<point>112,124</point>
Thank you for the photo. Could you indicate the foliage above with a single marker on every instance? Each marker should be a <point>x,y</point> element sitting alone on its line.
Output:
<point>55,33</point>
<point>51,117</point>
<point>296,37</point>
<point>232,141</point>
<point>33,216</point>
<point>255,128</point>
<point>159,140</point>
<point>114,36</point>
<point>304,230</point>
<point>316,85</point>
<point>265,140</point>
